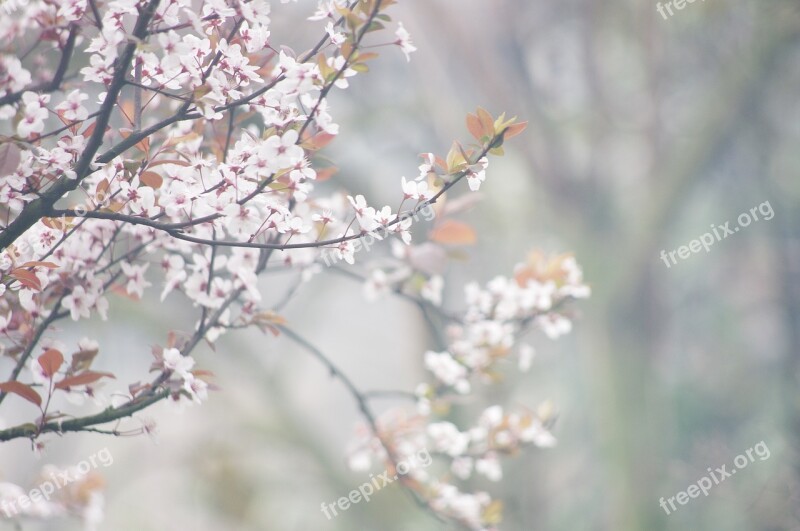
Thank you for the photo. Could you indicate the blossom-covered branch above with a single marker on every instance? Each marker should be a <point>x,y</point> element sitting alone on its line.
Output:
<point>181,160</point>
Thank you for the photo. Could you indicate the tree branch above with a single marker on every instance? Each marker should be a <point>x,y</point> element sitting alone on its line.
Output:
<point>108,415</point>
<point>58,77</point>
<point>37,209</point>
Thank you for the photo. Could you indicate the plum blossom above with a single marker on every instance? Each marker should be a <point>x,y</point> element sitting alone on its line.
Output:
<point>402,228</point>
<point>462,467</point>
<point>136,281</point>
<point>489,466</point>
<point>339,64</point>
<point>554,325</point>
<point>417,190</point>
<point>337,38</point>
<point>256,38</point>
<point>476,174</point>
<point>432,290</point>
<point>13,77</point>
<point>241,221</point>
<point>196,388</point>
<point>447,370</point>
<point>79,303</point>
<point>34,114</point>
<point>327,9</point>
<point>283,151</point>
<point>174,361</point>
<point>427,167</point>
<point>446,438</point>
<point>404,41</point>
<point>346,250</point>
<point>365,214</point>
<point>468,508</point>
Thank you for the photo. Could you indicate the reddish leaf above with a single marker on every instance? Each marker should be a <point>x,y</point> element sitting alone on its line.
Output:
<point>141,145</point>
<point>367,56</point>
<point>172,339</point>
<point>326,173</point>
<point>82,360</point>
<point>486,121</point>
<point>138,387</point>
<point>151,179</point>
<point>144,145</point>
<point>64,121</point>
<point>453,232</point>
<point>318,141</point>
<point>49,265</point>
<point>89,130</point>
<point>475,127</point>
<point>514,130</point>
<point>50,361</point>
<point>61,223</point>
<point>102,187</point>
<point>82,379</point>
<point>22,390</point>
<point>27,279</point>
<point>168,161</point>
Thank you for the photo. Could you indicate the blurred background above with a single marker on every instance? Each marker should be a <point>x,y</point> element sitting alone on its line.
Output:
<point>643,132</point>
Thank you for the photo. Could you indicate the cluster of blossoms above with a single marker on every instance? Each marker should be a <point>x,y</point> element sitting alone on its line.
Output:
<point>59,493</point>
<point>479,343</point>
<point>257,191</point>
<point>183,157</point>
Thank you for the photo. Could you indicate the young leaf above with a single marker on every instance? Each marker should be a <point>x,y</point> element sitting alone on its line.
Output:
<point>514,130</point>
<point>454,233</point>
<point>50,361</point>
<point>82,379</point>
<point>486,120</point>
<point>474,126</point>
<point>82,360</point>
<point>36,263</point>
<point>22,390</point>
<point>27,279</point>
<point>326,173</point>
<point>318,141</point>
<point>455,158</point>
<point>151,179</point>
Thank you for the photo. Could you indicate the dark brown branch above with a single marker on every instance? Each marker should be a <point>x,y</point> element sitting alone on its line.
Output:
<point>65,127</point>
<point>104,417</point>
<point>26,354</point>
<point>184,115</point>
<point>58,77</point>
<point>96,14</point>
<point>363,405</point>
<point>175,231</point>
<point>37,209</point>
<point>157,90</point>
